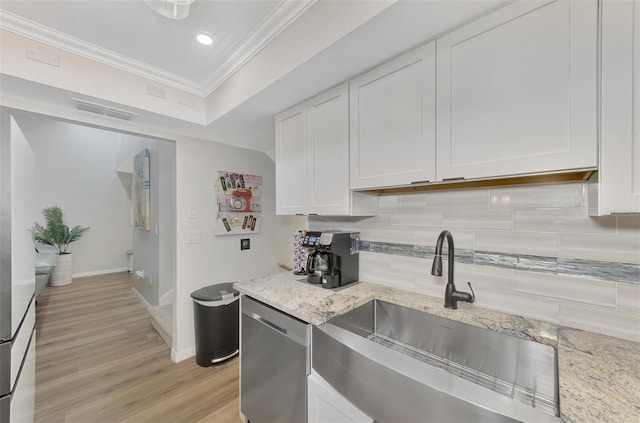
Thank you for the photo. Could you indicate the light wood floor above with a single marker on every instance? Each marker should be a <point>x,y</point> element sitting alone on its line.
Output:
<point>99,360</point>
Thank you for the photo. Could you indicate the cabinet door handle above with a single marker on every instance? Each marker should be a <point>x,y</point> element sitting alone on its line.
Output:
<point>458,178</point>
<point>420,182</point>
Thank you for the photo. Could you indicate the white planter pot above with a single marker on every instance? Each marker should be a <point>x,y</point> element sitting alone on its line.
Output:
<point>62,273</point>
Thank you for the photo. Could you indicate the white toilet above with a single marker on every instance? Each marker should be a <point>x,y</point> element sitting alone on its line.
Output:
<point>46,258</point>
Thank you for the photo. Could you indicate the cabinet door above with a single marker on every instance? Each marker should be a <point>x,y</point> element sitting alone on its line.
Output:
<point>328,150</point>
<point>291,161</point>
<point>392,122</point>
<point>517,91</point>
<point>619,170</point>
<point>326,405</point>
<point>23,402</point>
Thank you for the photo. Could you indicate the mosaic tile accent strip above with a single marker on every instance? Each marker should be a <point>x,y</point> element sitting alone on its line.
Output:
<point>391,248</point>
<point>593,269</point>
<point>605,270</point>
<point>516,261</point>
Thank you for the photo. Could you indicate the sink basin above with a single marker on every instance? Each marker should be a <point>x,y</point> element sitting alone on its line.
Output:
<point>398,364</point>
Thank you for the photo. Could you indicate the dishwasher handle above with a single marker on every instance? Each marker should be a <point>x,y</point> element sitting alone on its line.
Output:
<point>267,322</point>
<point>276,320</point>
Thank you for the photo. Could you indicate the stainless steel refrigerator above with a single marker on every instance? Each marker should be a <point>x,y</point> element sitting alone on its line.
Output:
<point>17,274</point>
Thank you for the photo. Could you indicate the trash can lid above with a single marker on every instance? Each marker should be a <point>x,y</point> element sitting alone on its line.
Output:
<point>215,292</point>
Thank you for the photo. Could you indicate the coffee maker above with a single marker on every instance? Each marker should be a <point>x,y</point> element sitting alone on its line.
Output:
<point>334,260</point>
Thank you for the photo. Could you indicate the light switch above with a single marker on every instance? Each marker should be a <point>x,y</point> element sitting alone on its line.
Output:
<point>193,212</point>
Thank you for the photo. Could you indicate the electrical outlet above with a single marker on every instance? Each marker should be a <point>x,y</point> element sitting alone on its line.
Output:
<point>245,244</point>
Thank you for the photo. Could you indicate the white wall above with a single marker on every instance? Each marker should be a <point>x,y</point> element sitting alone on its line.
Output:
<point>153,250</point>
<point>218,259</point>
<point>75,170</point>
<point>167,221</point>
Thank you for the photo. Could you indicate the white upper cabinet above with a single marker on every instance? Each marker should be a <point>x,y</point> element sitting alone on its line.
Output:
<point>392,122</point>
<point>328,152</point>
<point>517,92</point>
<point>617,189</point>
<point>291,161</point>
<point>312,158</point>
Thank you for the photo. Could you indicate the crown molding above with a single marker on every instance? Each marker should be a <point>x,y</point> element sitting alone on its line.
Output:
<point>282,15</point>
<point>273,24</point>
<point>57,39</point>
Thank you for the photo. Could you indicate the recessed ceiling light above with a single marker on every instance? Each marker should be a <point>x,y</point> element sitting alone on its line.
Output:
<point>204,38</point>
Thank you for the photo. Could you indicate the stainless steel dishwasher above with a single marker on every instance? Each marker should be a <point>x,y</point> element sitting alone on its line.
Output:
<point>275,364</point>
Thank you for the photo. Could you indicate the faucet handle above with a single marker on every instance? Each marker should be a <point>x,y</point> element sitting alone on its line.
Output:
<point>473,294</point>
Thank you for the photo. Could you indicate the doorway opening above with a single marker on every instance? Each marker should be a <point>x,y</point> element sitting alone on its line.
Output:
<point>88,172</point>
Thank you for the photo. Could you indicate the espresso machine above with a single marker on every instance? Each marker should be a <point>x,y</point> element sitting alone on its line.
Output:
<point>333,260</point>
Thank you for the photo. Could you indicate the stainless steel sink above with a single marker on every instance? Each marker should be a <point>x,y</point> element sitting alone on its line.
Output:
<point>401,365</point>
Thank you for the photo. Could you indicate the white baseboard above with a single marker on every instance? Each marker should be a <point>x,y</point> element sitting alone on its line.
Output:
<point>141,298</point>
<point>177,357</point>
<point>100,272</point>
<point>166,298</point>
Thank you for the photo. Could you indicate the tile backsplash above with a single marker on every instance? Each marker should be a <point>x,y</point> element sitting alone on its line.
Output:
<point>532,251</point>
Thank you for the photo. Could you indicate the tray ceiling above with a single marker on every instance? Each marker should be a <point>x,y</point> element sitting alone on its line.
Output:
<point>130,35</point>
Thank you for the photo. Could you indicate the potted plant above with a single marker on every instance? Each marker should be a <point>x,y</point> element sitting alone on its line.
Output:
<point>58,234</point>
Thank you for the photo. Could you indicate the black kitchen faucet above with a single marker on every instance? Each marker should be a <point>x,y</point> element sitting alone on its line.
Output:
<point>451,296</point>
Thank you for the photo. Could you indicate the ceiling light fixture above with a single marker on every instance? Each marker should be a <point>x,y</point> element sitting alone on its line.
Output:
<point>204,38</point>
<point>172,9</point>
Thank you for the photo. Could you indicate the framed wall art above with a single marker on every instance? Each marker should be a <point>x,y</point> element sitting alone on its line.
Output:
<point>142,189</point>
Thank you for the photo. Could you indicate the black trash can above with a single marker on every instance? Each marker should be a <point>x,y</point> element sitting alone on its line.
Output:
<point>216,319</point>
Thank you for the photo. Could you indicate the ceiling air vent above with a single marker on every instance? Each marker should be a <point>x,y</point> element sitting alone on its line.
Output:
<point>101,109</point>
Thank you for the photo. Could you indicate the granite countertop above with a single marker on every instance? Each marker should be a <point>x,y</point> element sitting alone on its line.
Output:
<point>599,375</point>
